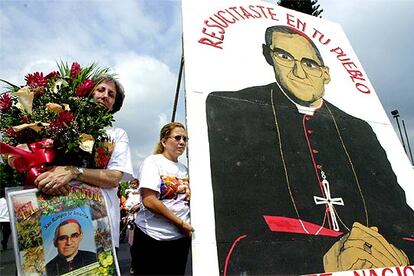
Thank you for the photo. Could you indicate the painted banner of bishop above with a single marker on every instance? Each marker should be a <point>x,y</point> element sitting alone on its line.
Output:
<point>307,173</point>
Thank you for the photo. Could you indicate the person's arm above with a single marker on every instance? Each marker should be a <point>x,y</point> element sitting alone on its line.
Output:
<point>151,202</point>
<point>105,178</point>
<point>56,180</point>
<point>135,208</point>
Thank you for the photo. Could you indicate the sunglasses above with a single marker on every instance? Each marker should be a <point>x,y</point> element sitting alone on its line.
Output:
<point>179,137</point>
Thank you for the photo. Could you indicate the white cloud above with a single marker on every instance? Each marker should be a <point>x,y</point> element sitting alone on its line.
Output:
<point>380,33</point>
<point>149,88</point>
<point>131,38</point>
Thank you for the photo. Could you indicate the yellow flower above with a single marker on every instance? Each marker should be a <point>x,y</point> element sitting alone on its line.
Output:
<point>37,126</point>
<point>87,142</point>
<point>57,108</point>
<point>101,257</point>
<point>25,97</point>
<point>110,259</point>
<point>54,107</point>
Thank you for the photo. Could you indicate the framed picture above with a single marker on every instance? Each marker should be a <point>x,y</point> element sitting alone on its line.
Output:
<point>62,235</point>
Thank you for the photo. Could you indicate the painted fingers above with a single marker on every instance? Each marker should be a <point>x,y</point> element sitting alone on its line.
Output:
<point>363,248</point>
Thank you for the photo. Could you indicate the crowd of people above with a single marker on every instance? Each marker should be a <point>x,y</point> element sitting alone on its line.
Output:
<point>156,205</point>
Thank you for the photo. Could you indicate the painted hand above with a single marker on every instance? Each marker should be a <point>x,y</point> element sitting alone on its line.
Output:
<point>363,248</point>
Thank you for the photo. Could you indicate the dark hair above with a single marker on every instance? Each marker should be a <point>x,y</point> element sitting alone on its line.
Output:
<point>71,220</point>
<point>286,30</point>
<point>134,180</point>
<point>120,92</point>
<point>165,131</point>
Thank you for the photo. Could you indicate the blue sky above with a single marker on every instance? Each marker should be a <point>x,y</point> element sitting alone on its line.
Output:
<point>379,32</point>
<point>141,41</point>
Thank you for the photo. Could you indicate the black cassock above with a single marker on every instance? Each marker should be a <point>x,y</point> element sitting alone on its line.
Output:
<point>58,265</point>
<point>267,164</point>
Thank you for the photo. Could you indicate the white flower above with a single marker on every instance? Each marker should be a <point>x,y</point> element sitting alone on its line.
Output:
<point>25,97</point>
<point>86,142</point>
<point>59,84</point>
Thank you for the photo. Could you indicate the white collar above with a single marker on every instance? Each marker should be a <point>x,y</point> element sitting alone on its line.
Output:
<point>306,110</point>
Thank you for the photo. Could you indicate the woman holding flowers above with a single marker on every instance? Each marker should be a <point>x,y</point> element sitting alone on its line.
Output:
<point>73,109</point>
<point>162,236</point>
<point>110,94</point>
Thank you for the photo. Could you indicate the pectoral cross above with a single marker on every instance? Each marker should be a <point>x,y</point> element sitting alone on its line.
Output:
<point>330,202</point>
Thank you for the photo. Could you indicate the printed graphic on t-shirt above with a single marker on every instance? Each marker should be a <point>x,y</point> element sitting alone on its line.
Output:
<point>171,186</point>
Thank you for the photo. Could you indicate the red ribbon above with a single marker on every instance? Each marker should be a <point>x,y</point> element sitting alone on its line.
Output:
<point>32,162</point>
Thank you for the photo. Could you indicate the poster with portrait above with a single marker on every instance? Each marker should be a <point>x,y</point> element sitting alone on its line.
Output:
<point>62,235</point>
<point>290,148</point>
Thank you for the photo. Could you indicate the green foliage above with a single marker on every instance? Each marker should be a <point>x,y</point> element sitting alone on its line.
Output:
<point>123,186</point>
<point>8,178</point>
<point>102,238</point>
<point>310,7</point>
<point>34,261</point>
<point>74,112</point>
<point>29,234</point>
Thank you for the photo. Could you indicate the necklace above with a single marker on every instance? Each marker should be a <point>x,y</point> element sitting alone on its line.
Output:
<point>330,206</point>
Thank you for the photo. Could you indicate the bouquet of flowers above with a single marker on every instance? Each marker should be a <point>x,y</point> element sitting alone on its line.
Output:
<point>56,115</point>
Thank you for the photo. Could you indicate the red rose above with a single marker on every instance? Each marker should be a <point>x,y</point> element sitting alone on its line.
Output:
<point>85,88</point>
<point>36,80</point>
<point>10,132</point>
<point>102,158</point>
<point>5,101</point>
<point>100,151</point>
<point>52,75</point>
<point>24,119</point>
<point>64,119</point>
<point>74,70</point>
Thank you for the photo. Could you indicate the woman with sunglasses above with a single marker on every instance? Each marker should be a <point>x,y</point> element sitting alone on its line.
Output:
<point>162,236</point>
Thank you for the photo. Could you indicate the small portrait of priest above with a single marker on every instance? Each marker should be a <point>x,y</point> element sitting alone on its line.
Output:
<point>67,239</point>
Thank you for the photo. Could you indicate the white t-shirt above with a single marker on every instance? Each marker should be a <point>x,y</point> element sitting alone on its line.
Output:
<point>133,197</point>
<point>169,179</point>
<point>121,161</point>
<point>4,211</point>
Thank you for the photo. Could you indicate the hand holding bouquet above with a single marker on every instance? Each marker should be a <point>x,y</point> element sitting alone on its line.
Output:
<point>53,119</point>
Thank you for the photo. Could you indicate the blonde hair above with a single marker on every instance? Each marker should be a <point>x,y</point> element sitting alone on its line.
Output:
<point>165,132</point>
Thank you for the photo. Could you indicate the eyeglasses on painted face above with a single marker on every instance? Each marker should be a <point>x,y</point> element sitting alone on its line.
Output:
<point>65,238</point>
<point>179,137</point>
<point>286,59</point>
